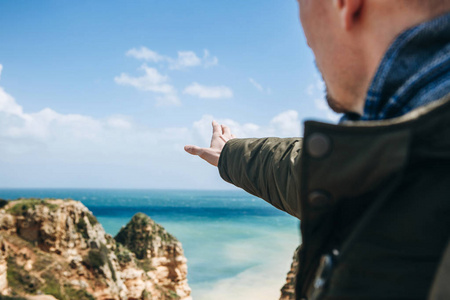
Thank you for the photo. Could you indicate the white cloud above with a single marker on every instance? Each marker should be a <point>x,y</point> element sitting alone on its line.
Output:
<point>259,87</point>
<point>73,137</point>
<point>9,105</point>
<point>1,69</point>
<point>146,54</point>
<point>154,81</point>
<point>256,84</point>
<point>151,81</point>
<point>208,92</point>
<point>184,59</point>
<point>48,148</point>
<point>285,124</point>
<point>209,60</point>
<point>119,122</point>
<point>43,124</point>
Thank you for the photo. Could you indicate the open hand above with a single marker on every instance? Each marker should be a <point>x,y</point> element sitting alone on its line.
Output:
<point>221,135</point>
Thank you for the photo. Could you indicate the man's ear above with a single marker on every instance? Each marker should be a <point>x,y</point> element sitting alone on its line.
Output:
<point>349,11</point>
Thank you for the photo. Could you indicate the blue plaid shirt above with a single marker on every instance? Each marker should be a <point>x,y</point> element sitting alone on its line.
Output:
<point>414,71</point>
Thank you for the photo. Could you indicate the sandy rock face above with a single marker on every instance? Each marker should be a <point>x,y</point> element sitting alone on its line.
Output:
<point>58,248</point>
<point>288,290</point>
<point>3,268</point>
<point>41,297</point>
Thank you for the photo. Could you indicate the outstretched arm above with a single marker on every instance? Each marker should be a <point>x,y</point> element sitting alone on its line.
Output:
<point>268,168</point>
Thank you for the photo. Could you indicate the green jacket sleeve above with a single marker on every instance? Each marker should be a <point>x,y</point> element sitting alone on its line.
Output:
<point>268,168</point>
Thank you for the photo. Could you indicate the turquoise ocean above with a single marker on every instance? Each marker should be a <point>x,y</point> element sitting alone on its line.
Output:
<point>237,245</point>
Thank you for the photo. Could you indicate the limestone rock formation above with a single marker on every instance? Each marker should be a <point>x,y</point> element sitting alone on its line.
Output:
<point>3,267</point>
<point>288,289</point>
<point>58,248</point>
<point>159,253</point>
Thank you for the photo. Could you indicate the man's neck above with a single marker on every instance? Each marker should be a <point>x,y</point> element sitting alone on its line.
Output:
<point>380,37</point>
<point>411,73</point>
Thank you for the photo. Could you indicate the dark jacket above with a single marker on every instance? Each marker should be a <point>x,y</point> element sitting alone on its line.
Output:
<point>373,197</point>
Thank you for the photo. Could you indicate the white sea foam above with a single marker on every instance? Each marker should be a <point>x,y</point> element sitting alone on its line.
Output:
<point>262,282</point>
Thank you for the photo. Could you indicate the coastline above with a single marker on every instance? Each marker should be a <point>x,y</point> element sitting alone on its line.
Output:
<point>229,238</point>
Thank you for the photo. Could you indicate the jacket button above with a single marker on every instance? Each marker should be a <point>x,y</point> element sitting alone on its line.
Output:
<point>318,145</point>
<point>319,199</point>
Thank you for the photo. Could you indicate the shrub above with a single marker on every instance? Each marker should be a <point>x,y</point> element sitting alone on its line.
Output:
<point>2,204</point>
<point>95,259</point>
<point>72,293</point>
<point>124,255</point>
<point>104,251</point>
<point>92,219</point>
<point>82,228</point>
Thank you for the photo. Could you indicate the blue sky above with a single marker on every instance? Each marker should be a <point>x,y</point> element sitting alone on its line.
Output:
<point>106,93</point>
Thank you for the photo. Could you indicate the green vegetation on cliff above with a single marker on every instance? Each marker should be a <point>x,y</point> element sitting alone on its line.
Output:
<point>56,247</point>
<point>20,280</point>
<point>63,291</point>
<point>21,206</point>
<point>11,298</point>
<point>97,258</point>
<point>140,234</point>
<point>23,282</point>
<point>124,256</point>
<point>2,204</point>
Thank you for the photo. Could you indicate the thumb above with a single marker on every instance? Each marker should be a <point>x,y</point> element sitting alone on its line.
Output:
<point>194,150</point>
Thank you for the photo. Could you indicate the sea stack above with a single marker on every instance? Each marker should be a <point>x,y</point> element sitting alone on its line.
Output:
<point>58,248</point>
<point>159,254</point>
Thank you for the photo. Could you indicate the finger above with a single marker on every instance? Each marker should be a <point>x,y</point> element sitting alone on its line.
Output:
<point>226,130</point>
<point>194,150</point>
<point>223,138</point>
<point>217,129</point>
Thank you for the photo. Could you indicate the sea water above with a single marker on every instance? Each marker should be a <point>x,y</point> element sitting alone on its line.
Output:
<point>237,245</point>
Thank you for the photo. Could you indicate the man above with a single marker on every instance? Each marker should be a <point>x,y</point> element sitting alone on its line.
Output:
<point>373,193</point>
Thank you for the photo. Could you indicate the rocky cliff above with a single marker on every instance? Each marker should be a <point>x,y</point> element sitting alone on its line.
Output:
<point>58,248</point>
<point>288,289</point>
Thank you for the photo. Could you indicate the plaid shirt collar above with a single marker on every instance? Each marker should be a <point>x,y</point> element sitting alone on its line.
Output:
<point>414,71</point>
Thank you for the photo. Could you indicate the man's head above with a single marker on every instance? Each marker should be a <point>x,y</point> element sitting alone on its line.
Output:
<point>349,38</point>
